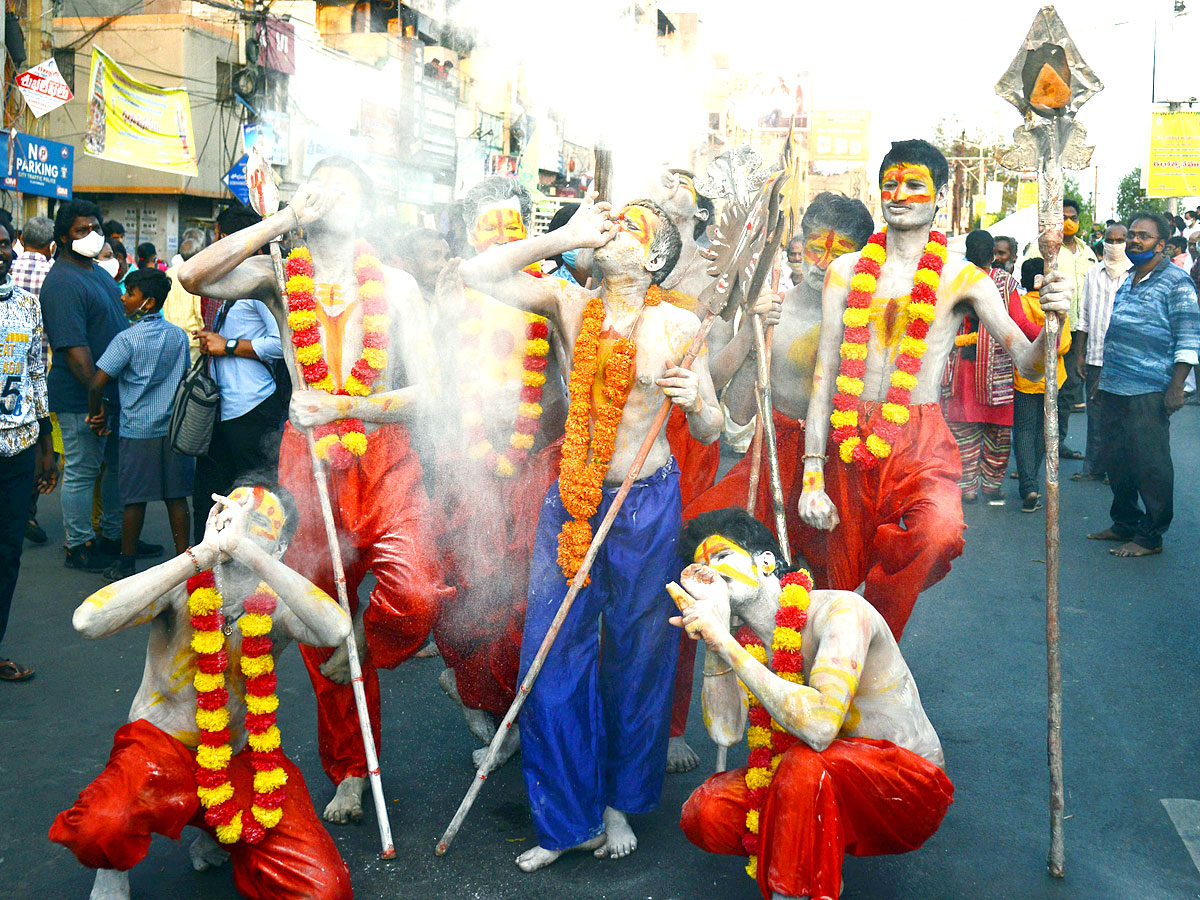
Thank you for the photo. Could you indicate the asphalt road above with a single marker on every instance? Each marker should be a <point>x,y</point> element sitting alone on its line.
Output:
<point>975,644</point>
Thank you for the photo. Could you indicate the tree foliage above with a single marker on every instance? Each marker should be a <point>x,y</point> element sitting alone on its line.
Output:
<point>1132,199</point>
<point>1087,211</point>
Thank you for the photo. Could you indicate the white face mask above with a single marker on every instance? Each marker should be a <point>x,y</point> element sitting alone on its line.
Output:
<point>1115,259</point>
<point>89,246</point>
<point>111,266</point>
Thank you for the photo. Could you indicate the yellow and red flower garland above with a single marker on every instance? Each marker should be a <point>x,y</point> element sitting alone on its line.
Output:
<point>921,310</point>
<point>213,786</point>
<point>341,441</point>
<point>767,739</point>
<point>533,379</point>
<point>581,483</point>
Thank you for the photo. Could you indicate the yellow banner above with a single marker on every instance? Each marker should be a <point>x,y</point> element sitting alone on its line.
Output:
<point>1027,194</point>
<point>1174,166</point>
<point>137,124</point>
<point>840,134</point>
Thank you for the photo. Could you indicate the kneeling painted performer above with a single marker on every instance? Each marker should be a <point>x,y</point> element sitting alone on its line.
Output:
<point>202,747</point>
<point>843,758</point>
<point>594,729</point>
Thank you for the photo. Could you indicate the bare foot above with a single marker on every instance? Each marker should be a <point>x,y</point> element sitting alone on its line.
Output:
<point>1106,535</point>
<point>1130,550</point>
<point>429,651</point>
<point>539,857</point>
<point>110,885</point>
<point>479,723</point>
<point>346,806</point>
<point>620,840</point>
<point>510,745</point>
<point>206,853</point>
<point>680,757</point>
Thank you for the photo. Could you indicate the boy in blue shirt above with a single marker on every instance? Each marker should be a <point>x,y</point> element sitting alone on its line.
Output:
<point>148,360</point>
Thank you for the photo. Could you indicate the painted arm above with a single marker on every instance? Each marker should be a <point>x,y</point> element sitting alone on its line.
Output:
<point>309,614</point>
<point>737,353</point>
<point>815,507</point>
<point>139,598</point>
<point>692,389</point>
<point>1029,357</point>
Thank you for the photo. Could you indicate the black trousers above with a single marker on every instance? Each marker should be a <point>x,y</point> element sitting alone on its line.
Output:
<point>1137,457</point>
<point>247,445</point>
<point>1093,460</point>
<point>1029,440</point>
<point>16,482</point>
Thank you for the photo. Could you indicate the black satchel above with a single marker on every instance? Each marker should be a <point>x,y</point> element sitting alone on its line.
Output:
<point>197,406</point>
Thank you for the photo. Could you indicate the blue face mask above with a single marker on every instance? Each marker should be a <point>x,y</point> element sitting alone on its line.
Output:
<point>569,256</point>
<point>1138,258</point>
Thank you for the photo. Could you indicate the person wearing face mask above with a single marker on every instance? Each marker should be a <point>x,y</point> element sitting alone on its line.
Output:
<point>1152,342</point>
<point>82,309</point>
<point>112,259</point>
<point>1074,260</point>
<point>1095,309</point>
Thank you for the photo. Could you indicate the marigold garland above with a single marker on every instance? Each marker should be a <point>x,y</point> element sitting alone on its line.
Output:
<point>766,738</point>
<point>921,310</point>
<point>342,441</point>
<point>213,786</point>
<point>581,483</point>
<point>533,378</point>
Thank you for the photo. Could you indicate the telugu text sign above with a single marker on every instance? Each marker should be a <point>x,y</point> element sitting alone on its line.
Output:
<point>43,88</point>
<point>1174,165</point>
<point>840,135</point>
<point>135,123</point>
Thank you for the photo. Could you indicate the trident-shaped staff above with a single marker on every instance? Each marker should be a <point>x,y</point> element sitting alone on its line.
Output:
<point>264,199</point>
<point>1048,81</point>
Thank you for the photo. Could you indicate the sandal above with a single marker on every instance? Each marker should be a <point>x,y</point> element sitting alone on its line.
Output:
<point>1068,453</point>
<point>11,671</point>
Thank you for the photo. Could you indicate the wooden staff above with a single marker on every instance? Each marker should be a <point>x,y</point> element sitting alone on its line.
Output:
<point>1050,223</point>
<point>339,577</point>
<point>756,444</point>
<point>576,586</point>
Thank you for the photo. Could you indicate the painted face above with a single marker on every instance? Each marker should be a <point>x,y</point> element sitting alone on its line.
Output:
<point>732,561</point>
<point>826,245</point>
<point>344,213</point>
<point>906,183</point>
<point>266,512</point>
<point>498,224</point>
<point>639,223</point>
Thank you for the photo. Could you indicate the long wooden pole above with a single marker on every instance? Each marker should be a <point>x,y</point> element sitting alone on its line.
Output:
<point>1050,221</point>
<point>564,609</point>
<point>339,577</point>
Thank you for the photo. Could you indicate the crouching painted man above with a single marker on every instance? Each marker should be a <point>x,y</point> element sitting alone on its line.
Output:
<point>843,758</point>
<point>201,747</point>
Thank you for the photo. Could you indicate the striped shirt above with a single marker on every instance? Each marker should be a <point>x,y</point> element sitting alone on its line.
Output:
<point>147,360</point>
<point>22,370</point>
<point>1154,325</point>
<point>1095,309</point>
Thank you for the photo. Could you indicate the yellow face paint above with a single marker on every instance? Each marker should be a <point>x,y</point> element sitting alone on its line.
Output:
<point>266,514</point>
<point>497,226</point>
<point>718,543</point>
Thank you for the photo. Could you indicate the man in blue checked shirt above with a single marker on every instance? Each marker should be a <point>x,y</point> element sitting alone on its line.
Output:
<point>1153,339</point>
<point>147,360</point>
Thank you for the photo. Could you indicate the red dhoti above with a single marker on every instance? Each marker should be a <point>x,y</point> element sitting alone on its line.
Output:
<point>902,521</point>
<point>862,797</point>
<point>380,509</point>
<point>149,786</point>
<point>487,543</point>
<point>733,490</point>
<point>698,463</point>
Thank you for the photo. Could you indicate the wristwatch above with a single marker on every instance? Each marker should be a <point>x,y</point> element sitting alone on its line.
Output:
<point>231,346</point>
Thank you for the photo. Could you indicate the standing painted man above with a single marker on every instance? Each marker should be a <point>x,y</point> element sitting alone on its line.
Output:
<point>890,315</point>
<point>594,729</point>
<point>360,333</point>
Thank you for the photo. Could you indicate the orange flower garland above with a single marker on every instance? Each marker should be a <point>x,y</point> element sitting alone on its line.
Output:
<point>581,483</point>
<point>213,786</point>
<point>533,378</point>
<point>342,441</point>
<point>857,317</point>
<point>766,738</point>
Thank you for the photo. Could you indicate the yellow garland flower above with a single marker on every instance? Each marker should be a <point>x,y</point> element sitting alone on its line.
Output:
<point>752,868</point>
<point>268,740</point>
<point>533,379</point>
<point>231,833</point>
<point>325,384</point>
<point>207,642</point>
<point>521,441</point>
<point>370,290</point>
<point>903,379</point>
<point>863,282</point>
<point>355,442</point>
<point>504,467</point>
<point>794,595</point>
<point>309,355</point>
<point>204,682</point>
<point>301,320</point>
<point>356,388</point>
<point>894,412</point>
<point>846,449</point>
<point>299,283</point>
<point>529,410</point>
<point>537,347</point>
<point>375,358</point>
<point>924,311</point>
<point>913,346</point>
<point>752,821</point>
<point>787,639</point>
<point>255,625</point>
<point>856,318</point>
<point>479,451</point>
<point>212,719</point>
<point>757,736</point>
<point>853,351</point>
<point>375,324</point>
<point>793,677</point>
<point>203,601</point>
<point>260,705</point>
<point>874,252</point>
<point>843,417</point>
<point>209,757</point>
<point>927,277</point>
<point>267,818</point>
<point>848,385</point>
<point>878,446</point>
<point>210,797</point>
<point>271,780</point>
<point>253,666</point>
<point>759,653</point>
<point>758,778</point>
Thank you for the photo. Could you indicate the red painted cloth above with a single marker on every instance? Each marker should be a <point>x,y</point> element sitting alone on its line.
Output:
<point>732,490</point>
<point>381,512</point>
<point>698,463</point>
<point>486,542</point>
<point>902,521</point>
<point>860,796</point>
<point>149,787</point>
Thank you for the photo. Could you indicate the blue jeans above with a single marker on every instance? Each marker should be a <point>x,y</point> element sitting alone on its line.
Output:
<point>83,454</point>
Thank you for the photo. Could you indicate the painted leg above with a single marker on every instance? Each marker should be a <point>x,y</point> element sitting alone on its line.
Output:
<point>346,806</point>
<point>110,885</point>
<point>510,745</point>
<point>539,857</point>
<point>479,723</point>
<point>680,756</point>
<point>619,839</point>
<point>206,853</point>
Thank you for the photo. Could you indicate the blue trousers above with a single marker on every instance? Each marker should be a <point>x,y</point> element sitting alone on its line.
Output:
<point>594,728</point>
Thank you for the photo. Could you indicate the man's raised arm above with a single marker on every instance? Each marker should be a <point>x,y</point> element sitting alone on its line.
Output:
<point>497,271</point>
<point>1029,357</point>
<point>139,598</point>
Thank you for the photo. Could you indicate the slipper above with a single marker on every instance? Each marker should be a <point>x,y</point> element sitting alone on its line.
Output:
<point>1141,551</point>
<point>1068,453</point>
<point>11,671</point>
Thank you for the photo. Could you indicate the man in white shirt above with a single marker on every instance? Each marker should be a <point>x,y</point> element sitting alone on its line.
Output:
<point>1095,307</point>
